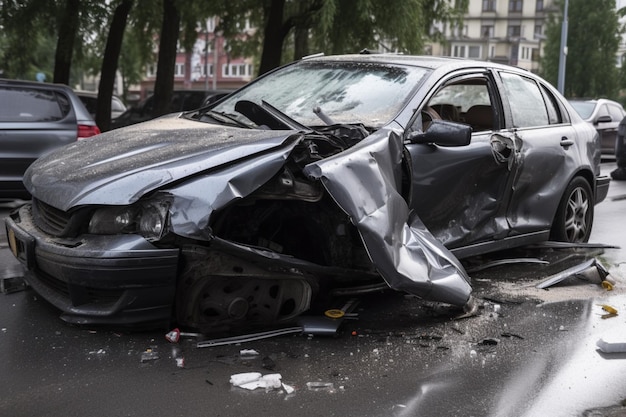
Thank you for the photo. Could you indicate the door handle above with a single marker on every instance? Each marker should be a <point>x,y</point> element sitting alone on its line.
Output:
<point>565,142</point>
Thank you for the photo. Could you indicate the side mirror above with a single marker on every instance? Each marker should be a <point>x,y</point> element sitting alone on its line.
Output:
<point>443,133</point>
<point>603,119</point>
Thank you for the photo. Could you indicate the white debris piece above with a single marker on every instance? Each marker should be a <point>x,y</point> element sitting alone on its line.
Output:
<point>288,389</point>
<point>254,380</point>
<point>611,346</point>
<point>244,378</point>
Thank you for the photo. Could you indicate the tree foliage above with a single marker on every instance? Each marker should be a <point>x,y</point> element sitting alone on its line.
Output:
<point>592,43</point>
<point>288,30</point>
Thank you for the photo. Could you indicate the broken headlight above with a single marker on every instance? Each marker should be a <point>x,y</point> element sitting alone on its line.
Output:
<point>146,219</point>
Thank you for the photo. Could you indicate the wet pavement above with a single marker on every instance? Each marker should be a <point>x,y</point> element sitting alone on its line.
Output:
<point>528,351</point>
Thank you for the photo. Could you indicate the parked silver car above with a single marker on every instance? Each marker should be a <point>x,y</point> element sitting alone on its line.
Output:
<point>36,118</point>
<point>327,176</point>
<point>604,115</point>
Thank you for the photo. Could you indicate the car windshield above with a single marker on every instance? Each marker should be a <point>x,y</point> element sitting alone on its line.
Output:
<point>584,108</point>
<point>345,92</point>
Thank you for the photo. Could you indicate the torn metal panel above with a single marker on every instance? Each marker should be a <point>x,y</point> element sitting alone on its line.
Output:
<point>363,181</point>
<point>195,200</point>
<point>591,270</point>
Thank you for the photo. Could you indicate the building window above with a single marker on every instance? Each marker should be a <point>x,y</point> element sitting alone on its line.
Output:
<point>203,70</point>
<point>526,53</point>
<point>486,31</point>
<point>179,70</point>
<point>151,70</point>
<point>538,30</point>
<point>210,24</point>
<point>514,31</point>
<point>237,70</point>
<point>539,7</point>
<point>489,5</point>
<point>458,51</point>
<point>515,5</point>
<point>473,52</point>
<point>492,51</point>
<point>469,51</point>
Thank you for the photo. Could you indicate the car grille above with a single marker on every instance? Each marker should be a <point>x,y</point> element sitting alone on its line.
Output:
<point>79,295</point>
<point>57,222</point>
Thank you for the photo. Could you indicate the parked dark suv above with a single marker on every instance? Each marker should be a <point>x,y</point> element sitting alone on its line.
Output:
<point>36,118</point>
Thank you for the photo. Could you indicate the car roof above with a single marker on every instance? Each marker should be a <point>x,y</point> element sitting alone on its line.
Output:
<point>427,61</point>
<point>34,84</point>
<point>593,100</point>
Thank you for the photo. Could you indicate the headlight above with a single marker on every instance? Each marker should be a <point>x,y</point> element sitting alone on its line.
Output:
<point>146,219</point>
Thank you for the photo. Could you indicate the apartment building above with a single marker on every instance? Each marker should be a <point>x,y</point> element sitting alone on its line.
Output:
<point>506,31</point>
<point>209,65</point>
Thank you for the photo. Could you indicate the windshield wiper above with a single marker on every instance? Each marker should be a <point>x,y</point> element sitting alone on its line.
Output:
<point>224,118</point>
<point>265,114</point>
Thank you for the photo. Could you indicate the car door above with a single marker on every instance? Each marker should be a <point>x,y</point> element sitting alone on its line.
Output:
<point>608,128</point>
<point>461,193</point>
<point>548,151</point>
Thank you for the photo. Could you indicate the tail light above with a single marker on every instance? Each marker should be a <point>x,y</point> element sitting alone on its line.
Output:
<point>85,131</point>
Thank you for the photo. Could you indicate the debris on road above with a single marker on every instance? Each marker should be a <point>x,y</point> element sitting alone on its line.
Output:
<point>320,386</point>
<point>311,325</point>
<point>12,279</point>
<point>254,380</point>
<point>611,346</point>
<point>501,262</point>
<point>149,355</point>
<point>610,311</point>
<point>174,335</point>
<point>591,271</point>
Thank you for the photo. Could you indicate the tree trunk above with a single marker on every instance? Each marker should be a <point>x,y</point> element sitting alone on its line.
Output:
<point>273,36</point>
<point>68,28</point>
<point>164,84</point>
<point>109,64</point>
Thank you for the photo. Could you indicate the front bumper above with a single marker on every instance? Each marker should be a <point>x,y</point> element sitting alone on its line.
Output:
<point>118,280</point>
<point>602,187</point>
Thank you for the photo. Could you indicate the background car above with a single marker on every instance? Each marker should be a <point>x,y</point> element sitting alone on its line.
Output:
<point>604,115</point>
<point>36,118</point>
<point>329,176</point>
<point>182,100</point>
<point>215,95</point>
<point>90,100</point>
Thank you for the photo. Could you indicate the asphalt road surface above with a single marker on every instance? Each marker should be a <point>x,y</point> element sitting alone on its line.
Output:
<point>528,352</point>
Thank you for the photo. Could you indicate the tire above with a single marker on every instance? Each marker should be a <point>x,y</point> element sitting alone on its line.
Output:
<point>574,217</point>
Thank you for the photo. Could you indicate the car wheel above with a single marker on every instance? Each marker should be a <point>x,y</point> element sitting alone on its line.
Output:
<point>574,216</point>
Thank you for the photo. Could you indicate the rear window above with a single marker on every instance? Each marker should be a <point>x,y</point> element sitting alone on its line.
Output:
<point>18,104</point>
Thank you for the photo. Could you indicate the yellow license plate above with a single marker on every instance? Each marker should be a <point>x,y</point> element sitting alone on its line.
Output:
<point>13,245</point>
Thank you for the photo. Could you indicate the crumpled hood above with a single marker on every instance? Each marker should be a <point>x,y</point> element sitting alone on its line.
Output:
<point>120,166</point>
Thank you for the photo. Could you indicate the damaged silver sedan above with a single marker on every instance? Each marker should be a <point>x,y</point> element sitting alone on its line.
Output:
<point>328,176</point>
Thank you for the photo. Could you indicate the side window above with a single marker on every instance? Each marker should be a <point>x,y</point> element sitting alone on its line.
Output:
<point>554,113</point>
<point>465,101</point>
<point>617,114</point>
<point>25,105</point>
<point>527,105</point>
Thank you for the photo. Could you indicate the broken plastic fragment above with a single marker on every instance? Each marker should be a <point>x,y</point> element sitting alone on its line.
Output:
<point>244,378</point>
<point>609,309</point>
<point>316,385</point>
<point>149,355</point>
<point>611,346</point>
<point>607,285</point>
<point>174,335</point>
<point>591,270</point>
<point>288,389</point>
<point>254,380</point>
<point>248,352</point>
